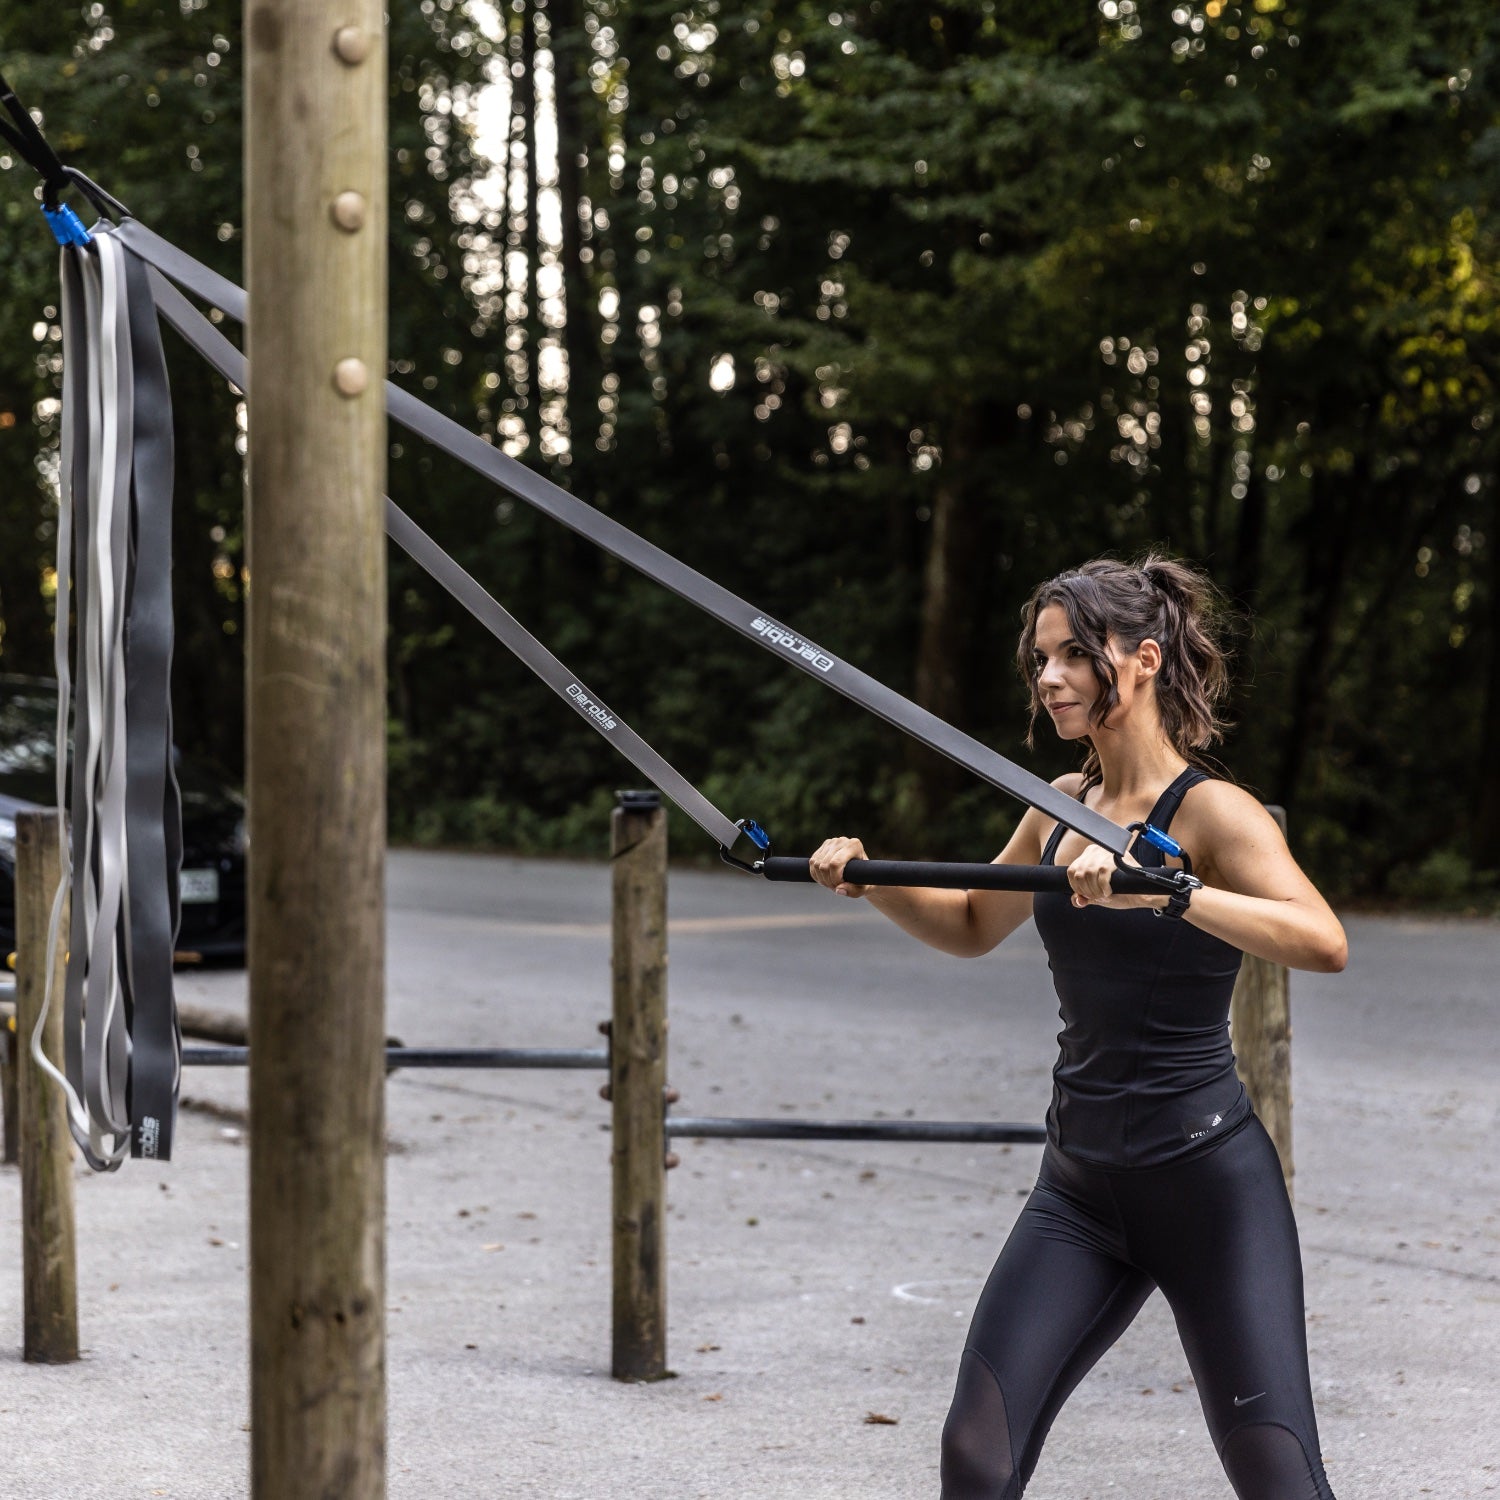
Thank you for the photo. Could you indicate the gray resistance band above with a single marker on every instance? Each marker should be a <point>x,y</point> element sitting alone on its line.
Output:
<point>619,541</point>
<point>218,352</point>
<point>231,364</point>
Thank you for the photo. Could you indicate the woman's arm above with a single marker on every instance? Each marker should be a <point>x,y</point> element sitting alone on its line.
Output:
<point>1255,895</point>
<point>964,923</point>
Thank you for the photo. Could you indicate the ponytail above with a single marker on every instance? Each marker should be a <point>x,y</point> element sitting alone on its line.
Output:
<point>1156,598</point>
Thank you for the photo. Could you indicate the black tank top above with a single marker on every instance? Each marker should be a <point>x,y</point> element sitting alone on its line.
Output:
<point>1144,1072</point>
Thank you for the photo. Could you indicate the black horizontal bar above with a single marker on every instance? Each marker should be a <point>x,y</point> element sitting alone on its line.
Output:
<point>957,1131</point>
<point>432,1057</point>
<point>956,877</point>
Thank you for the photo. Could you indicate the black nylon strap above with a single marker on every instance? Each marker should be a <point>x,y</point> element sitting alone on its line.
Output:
<point>661,567</point>
<point>152,806</point>
<point>13,139</point>
<point>230,363</point>
<point>32,145</point>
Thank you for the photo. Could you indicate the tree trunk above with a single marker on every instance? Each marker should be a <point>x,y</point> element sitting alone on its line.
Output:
<point>1324,575</point>
<point>532,241</point>
<point>1244,584</point>
<point>952,585</point>
<point>1486,844</point>
<point>570,57</point>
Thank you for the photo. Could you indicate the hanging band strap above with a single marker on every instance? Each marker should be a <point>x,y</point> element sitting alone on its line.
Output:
<point>121,1047</point>
<point>101,1148</point>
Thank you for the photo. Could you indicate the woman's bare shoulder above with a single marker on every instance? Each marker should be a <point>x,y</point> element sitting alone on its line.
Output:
<point>1220,821</point>
<point>1225,804</point>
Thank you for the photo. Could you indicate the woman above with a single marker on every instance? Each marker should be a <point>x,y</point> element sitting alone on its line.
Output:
<point>1156,1173</point>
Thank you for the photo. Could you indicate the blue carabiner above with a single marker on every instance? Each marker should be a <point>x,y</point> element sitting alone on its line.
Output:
<point>1157,839</point>
<point>756,834</point>
<point>67,228</point>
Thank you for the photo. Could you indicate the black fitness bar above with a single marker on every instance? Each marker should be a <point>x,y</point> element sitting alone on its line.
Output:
<point>954,877</point>
<point>948,1131</point>
<point>432,1057</point>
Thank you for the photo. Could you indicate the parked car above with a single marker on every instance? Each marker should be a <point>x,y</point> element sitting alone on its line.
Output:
<point>212,880</point>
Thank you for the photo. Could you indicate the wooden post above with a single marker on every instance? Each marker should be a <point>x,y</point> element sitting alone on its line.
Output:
<point>637,1083</point>
<point>315,221</point>
<point>1260,1021</point>
<point>49,1250</point>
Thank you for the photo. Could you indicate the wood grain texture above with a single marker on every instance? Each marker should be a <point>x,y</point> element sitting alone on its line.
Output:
<point>638,1076</point>
<point>49,1243</point>
<point>315,129</point>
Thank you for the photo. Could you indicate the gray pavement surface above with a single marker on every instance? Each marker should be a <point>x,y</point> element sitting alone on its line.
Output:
<point>811,1286</point>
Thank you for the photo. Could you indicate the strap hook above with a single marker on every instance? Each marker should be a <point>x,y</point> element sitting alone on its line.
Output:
<point>1174,881</point>
<point>757,836</point>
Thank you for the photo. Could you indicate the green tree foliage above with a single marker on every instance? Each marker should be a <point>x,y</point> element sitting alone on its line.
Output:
<point>1052,284</point>
<point>878,314</point>
<point>146,98</point>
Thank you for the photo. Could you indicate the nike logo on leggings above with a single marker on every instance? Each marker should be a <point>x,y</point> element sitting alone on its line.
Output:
<point>1246,1400</point>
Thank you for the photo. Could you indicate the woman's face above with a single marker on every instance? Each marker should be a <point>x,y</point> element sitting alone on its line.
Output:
<point>1065,675</point>
<point>1065,679</point>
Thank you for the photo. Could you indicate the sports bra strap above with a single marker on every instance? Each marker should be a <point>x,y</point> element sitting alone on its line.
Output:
<point>1161,815</point>
<point>1171,799</point>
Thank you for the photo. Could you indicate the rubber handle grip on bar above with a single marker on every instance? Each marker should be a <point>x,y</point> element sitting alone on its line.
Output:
<point>954,877</point>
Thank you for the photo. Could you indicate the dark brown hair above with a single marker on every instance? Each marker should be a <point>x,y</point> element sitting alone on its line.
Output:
<point>1156,598</point>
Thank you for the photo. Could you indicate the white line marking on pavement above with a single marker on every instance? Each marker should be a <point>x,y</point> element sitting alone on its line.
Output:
<point>917,1291</point>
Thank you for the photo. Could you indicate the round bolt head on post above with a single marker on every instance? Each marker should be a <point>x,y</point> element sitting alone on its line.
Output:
<point>351,44</point>
<point>350,378</point>
<point>348,211</point>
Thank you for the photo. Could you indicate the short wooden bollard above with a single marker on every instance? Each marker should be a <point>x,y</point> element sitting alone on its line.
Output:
<point>1260,1021</point>
<point>637,1082</point>
<point>8,1077</point>
<point>49,1252</point>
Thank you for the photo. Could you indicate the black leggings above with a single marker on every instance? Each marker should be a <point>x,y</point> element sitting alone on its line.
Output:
<point>1215,1232</point>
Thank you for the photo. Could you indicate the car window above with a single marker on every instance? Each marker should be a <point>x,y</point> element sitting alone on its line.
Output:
<point>28,730</point>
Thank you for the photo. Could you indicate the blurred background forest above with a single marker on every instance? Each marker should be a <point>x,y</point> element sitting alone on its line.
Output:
<point>878,314</point>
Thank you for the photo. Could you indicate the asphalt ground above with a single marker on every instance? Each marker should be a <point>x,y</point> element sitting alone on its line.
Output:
<point>811,1287</point>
